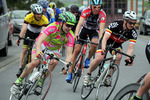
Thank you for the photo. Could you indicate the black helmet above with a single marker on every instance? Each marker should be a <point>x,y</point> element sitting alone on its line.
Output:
<point>74,7</point>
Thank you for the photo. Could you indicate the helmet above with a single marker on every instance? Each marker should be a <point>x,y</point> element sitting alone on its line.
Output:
<point>32,6</point>
<point>82,8</point>
<point>37,9</point>
<point>67,8</point>
<point>130,15</point>
<point>43,3</point>
<point>62,9</point>
<point>52,5</point>
<point>74,7</point>
<point>95,2</point>
<point>68,18</point>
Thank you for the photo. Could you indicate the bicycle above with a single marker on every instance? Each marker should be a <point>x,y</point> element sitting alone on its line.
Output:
<point>106,70</point>
<point>129,91</point>
<point>27,90</point>
<point>27,57</point>
<point>79,65</point>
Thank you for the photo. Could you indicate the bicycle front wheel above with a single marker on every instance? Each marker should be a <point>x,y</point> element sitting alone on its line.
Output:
<point>76,81</point>
<point>47,79</point>
<point>104,89</point>
<point>129,91</point>
<point>86,90</point>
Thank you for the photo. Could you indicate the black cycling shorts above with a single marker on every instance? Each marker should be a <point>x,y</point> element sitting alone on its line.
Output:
<point>31,35</point>
<point>83,35</point>
<point>147,52</point>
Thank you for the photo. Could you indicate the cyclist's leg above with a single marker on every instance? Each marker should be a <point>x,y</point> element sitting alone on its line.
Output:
<point>145,86</point>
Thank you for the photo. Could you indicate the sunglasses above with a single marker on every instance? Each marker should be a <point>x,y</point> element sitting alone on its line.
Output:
<point>68,25</point>
<point>131,23</point>
<point>74,11</point>
<point>96,7</point>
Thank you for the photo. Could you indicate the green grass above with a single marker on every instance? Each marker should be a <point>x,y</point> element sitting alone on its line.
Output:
<point>146,5</point>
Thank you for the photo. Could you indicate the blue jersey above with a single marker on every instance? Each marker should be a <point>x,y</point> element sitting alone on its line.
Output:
<point>58,12</point>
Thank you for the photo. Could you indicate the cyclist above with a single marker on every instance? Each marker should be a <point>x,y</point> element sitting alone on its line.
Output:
<point>33,24</point>
<point>145,86</point>
<point>54,36</point>
<point>57,11</point>
<point>82,8</point>
<point>62,9</point>
<point>88,24</point>
<point>74,9</point>
<point>117,33</point>
<point>48,12</point>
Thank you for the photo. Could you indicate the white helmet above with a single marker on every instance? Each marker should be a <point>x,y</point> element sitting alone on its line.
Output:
<point>130,15</point>
<point>62,9</point>
<point>82,8</point>
<point>37,9</point>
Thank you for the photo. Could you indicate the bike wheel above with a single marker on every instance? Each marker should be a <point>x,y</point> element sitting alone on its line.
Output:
<point>76,81</point>
<point>45,87</point>
<point>78,73</point>
<point>125,92</point>
<point>104,91</point>
<point>86,90</point>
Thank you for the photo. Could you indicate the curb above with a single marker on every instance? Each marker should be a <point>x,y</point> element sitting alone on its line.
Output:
<point>10,60</point>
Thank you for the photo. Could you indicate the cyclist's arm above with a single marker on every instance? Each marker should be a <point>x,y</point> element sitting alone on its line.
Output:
<point>23,30</point>
<point>40,40</point>
<point>105,38</point>
<point>79,25</point>
<point>130,49</point>
<point>101,29</point>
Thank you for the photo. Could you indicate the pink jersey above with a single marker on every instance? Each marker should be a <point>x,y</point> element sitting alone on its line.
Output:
<point>55,39</point>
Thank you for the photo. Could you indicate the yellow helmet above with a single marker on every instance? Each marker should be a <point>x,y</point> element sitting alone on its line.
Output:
<point>52,5</point>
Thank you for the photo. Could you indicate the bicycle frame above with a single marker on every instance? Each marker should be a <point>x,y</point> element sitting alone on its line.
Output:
<point>81,57</point>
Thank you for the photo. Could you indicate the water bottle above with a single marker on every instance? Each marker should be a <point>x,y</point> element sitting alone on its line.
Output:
<point>34,75</point>
<point>105,66</point>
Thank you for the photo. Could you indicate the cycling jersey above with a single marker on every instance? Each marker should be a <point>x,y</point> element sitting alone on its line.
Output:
<point>57,14</point>
<point>55,39</point>
<point>118,35</point>
<point>35,25</point>
<point>92,21</point>
<point>50,15</point>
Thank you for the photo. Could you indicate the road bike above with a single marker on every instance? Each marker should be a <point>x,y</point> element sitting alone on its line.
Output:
<point>27,57</point>
<point>106,79</point>
<point>79,65</point>
<point>130,90</point>
<point>27,89</point>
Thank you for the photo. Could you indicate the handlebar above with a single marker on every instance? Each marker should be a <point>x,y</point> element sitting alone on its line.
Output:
<point>28,38</point>
<point>118,51</point>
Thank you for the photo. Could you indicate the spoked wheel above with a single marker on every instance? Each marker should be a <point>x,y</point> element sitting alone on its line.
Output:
<point>105,89</point>
<point>76,81</point>
<point>86,91</point>
<point>129,91</point>
<point>47,79</point>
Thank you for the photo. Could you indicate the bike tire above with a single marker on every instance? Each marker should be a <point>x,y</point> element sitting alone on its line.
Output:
<point>124,93</point>
<point>78,74</point>
<point>86,91</point>
<point>45,88</point>
<point>104,91</point>
<point>75,82</point>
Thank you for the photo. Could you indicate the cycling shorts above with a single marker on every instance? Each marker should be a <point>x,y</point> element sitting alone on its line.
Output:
<point>109,42</point>
<point>31,35</point>
<point>83,35</point>
<point>56,52</point>
<point>147,52</point>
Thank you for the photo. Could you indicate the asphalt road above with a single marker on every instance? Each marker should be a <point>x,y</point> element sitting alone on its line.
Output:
<point>60,90</point>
